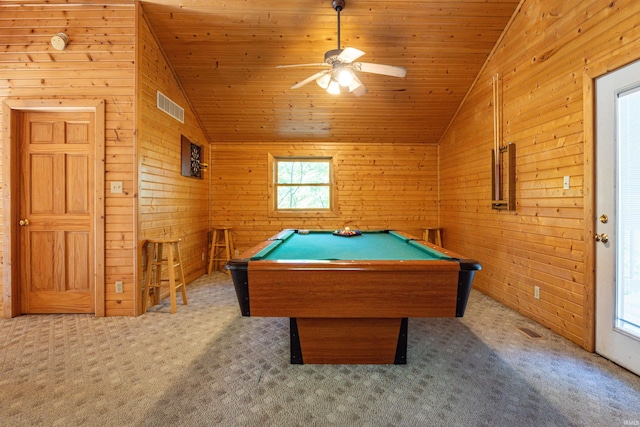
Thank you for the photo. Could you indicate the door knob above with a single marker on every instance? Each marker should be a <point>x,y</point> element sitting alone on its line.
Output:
<point>24,222</point>
<point>604,237</point>
<point>604,218</point>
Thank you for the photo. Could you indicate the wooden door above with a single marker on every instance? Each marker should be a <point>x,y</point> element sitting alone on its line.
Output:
<point>56,212</point>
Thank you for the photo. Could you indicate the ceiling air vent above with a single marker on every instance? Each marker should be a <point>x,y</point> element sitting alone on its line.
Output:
<point>170,107</point>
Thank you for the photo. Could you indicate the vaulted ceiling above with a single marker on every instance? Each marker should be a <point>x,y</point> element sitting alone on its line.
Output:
<point>225,54</point>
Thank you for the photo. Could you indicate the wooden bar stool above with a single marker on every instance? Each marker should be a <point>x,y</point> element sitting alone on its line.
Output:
<point>155,265</point>
<point>221,248</point>
<point>433,235</point>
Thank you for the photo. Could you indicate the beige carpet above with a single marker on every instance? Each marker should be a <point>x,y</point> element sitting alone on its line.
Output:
<point>207,365</point>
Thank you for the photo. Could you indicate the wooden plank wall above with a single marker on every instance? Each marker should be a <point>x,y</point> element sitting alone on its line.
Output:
<point>541,61</point>
<point>170,205</point>
<point>97,64</point>
<point>379,186</point>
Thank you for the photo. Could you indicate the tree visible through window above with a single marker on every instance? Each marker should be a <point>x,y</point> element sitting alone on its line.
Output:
<point>303,183</point>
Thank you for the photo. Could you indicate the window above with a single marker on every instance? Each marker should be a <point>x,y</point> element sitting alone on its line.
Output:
<point>301,185</point>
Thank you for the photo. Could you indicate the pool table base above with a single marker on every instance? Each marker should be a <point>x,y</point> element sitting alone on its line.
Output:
<point>348,340</point>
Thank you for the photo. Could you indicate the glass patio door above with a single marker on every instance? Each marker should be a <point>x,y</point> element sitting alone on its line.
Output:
<point>618,211</point>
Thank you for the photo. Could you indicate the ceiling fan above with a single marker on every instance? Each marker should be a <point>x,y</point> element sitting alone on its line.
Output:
<point>341,69</point>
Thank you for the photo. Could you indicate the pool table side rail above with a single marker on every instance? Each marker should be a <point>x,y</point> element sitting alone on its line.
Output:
<point>269,302</point>
<point>352,293</point>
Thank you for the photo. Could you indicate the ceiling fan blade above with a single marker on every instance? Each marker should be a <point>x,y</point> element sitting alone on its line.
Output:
<point>324,80</point>
<point>356,87</point>
<point>310,79</point>
<point>349,54</point>
<point>387,70</point>
<point>316,64</point>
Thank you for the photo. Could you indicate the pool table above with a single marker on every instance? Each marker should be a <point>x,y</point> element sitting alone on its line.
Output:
<point>349,298</point>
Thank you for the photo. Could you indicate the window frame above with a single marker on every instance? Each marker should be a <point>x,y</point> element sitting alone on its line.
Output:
<point>273,160</point>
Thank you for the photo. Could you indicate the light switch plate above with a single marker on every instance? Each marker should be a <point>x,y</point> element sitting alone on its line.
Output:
<point>567,182</point>
<point>116,187</point>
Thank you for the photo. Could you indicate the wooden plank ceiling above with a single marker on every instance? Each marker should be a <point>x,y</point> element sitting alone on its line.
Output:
<point>224,53</point>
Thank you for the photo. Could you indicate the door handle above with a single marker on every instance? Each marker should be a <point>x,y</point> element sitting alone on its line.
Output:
<point>24,222</point>
<point>604,237</point>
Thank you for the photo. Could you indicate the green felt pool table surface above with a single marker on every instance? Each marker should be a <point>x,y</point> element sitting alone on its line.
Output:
<point>369,245</point>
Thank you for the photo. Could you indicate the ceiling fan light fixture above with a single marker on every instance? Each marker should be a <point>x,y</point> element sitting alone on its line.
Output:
<point>345,77</point>
<point>334,87</point>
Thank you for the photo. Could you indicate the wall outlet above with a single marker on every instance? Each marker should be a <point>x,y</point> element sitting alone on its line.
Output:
<point>536,292</point>
<point>119,287</point>
<point>202,256</point>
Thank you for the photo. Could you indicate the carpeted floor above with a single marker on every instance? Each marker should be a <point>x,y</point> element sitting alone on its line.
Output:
<point>207,365</point>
